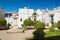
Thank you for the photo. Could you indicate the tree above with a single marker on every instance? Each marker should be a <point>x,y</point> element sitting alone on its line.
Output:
<point>26,23</point>
<point>40,24</point>
<point>38,34</point>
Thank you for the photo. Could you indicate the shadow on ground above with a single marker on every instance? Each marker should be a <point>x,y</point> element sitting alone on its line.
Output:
<point>53,38</point>
<point>49,38</point>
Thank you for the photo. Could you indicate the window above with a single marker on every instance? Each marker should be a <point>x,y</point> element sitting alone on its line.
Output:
<point>29,18</point>
<point>52,19</point>
<point>10,15</point>
<point>6,15</point>
<point>21,19</point>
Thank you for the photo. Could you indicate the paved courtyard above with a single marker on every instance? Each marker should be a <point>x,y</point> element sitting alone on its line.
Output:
<point>15,34</point>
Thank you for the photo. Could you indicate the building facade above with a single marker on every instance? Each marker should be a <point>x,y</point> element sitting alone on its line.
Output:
<point>56,12</point>
<point>11,18</point>
<point>24,13</point>
<point>47,16</point>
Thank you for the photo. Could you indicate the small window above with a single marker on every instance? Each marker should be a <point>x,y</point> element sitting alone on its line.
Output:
<point>10,15</point>
<point>6,15</point>
<point>21,19</point>
<point>29,18</point>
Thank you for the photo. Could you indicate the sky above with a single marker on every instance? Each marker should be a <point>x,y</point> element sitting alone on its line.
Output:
<point>14,5</point>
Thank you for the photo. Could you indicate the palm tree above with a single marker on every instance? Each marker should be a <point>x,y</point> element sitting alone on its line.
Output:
<point>34,15</point>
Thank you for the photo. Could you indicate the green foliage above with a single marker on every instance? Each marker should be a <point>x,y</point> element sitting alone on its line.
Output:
<point>38,34</point>
<point>58,24</point>
<point>3,22</point>
<point>39,24</point>
<point>51,33</point>
<point>27,22</point>
<point>31,38</point>
<point>23,26</point>
<point>52,27</point>
<point>35,22</point>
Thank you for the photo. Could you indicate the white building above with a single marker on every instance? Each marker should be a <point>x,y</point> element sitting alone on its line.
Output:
<point>24,13</point>
<point>11,18</point>
<point>47,16</point>
<point>8,17</point>
<point>44,16</point>
<point>56,12</point>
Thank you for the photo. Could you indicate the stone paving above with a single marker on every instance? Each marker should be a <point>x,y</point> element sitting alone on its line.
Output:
<point>15,34</point>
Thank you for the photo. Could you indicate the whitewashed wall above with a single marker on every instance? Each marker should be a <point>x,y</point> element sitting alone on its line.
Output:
<point>24,13</point>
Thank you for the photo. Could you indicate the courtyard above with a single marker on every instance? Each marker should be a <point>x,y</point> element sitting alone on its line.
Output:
<point>15,34</point>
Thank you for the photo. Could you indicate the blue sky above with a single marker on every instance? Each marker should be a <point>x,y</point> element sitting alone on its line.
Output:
<point>14,5</point>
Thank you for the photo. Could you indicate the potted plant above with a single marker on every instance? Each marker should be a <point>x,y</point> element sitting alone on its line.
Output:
<point>3,23</point>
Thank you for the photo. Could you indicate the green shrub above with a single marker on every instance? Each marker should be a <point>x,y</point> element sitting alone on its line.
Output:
<point>38,34</point>
<point>35,22</point>
<point>51,33</point>
<point>40,24</point>
<point>58,24</point>
<point>3,22</point>
<point>23,26</point>
<point>28,22</point>
<point>52,27</point>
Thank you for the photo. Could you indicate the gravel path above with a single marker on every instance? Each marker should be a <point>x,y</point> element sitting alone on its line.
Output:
<point>15,34</point>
